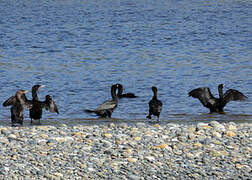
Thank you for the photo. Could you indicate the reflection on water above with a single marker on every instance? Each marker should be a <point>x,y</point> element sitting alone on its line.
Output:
<point>78,49</point>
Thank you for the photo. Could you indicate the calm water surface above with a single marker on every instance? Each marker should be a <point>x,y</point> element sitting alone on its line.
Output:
<point>78,49</point>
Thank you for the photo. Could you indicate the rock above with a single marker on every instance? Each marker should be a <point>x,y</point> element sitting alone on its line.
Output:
<point>44,128</point>
<point>216,134</point>
<point>231,127</point>
<point>59,139</point>
<point>111,125</point>
<point>230,133</point>
<point>12,136</point>
<point>150,158</point>
<point>132,160</point>
<point>177,151</point>
<point>107,135</point>
<point>239,166</point>
<point>190,155</point>
<point>156,125</point>
<point>199,145</point>
<point>44,136</point>
<point>41,141</point>
<point>217,126</point>
<point>203,126</point>
<point>137,138</point>
<point>69,139</point>
<point>90,169</point>
<point>78,134</point>
<point>160,146</point>
<point>4,140</point>
<point>133,177</point>
<point>57,174</point>
<point>123,125</point>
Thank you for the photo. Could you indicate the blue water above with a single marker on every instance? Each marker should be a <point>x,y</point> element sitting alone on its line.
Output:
<point>79,48</point>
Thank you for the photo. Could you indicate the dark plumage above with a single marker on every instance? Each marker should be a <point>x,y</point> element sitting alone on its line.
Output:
<point>50,105</point>
<point>18,103</point>
<point>155,105</point>
<point>216,104</point>
<point>121,95</point>
<point>106,109</point>
<point>37,108</point>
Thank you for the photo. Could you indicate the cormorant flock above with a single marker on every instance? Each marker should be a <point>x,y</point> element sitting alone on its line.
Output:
<point>19,102</point>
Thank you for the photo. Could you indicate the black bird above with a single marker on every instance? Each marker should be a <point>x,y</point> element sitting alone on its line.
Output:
<point>121,95</point>
<point>106,109</point>
<point>37,108</point>
<point>216,104</point>
<point>18,103</point>
<point>155,105</point>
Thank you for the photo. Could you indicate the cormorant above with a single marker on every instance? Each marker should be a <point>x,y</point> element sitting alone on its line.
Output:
<point>155,105</point>
<point>216,104</point>
<point>106,109</point>
<point>18,103</point>
<point>121,95</point>
<point>36,110</point>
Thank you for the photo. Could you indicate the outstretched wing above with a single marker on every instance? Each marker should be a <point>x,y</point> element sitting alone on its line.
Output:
<point>51,106</point>
<point>203,94</point>
<point>233,95</point>
<point>28,103</point>
<point>11,101</point>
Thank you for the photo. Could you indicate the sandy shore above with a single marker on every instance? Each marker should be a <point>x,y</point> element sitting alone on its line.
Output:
<point>120,151</point>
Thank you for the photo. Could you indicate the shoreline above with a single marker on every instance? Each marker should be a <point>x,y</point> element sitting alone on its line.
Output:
<point>127,151</point>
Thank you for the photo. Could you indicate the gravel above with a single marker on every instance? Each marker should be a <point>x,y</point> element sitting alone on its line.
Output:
<point>211,150</point>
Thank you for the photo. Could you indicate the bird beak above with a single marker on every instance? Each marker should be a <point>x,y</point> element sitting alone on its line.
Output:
<point>41,86</point>
<point>26,91</point>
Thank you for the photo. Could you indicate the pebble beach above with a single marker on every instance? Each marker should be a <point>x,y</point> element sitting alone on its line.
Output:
<point>211,150</point>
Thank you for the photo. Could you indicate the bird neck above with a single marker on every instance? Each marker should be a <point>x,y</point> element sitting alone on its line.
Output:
<point>113,93</point>
<point>34,95</point>
<point>120,91</point>
<point>19,98</point>
<point>220,92</point>
<point>115,98</point>
<point>154,95</point>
